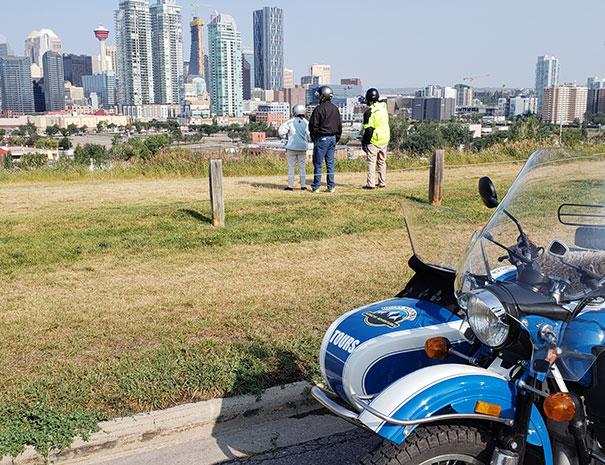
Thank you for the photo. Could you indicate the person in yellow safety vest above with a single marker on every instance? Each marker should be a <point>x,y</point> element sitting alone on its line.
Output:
<point>376,137</point>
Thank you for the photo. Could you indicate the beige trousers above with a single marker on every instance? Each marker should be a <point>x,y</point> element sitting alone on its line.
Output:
<point>377,155</point>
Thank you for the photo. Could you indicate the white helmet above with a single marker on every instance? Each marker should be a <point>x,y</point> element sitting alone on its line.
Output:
<point>298,110</point>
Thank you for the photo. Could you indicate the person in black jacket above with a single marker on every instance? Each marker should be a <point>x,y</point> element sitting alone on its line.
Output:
<point>325,127</point>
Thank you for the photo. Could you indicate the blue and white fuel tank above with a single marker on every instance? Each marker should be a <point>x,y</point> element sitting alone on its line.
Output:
<point>367,349</point>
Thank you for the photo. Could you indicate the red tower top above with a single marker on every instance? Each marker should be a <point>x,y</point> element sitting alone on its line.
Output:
<point>101,33</point>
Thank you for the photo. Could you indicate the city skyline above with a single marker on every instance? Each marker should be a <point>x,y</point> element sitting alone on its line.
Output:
<point>458,40</point>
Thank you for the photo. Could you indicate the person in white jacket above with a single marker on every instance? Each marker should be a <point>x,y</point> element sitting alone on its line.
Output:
<point>296,133</point>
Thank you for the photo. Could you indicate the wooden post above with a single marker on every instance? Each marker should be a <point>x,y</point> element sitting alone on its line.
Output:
<point>436,178</point>
<point>217,197</point>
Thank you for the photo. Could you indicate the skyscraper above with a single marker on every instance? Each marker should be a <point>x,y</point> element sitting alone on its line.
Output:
<point>268,26</point>
<point>54,81</point>
<point>323,72</point>
<point>547,75</point>
<point>40,42</point>
<point>288,78</point>
<point>167,43</point>
<point>76,66</point>
<point>5,49</point>
<point>226,83</point>
<point>135,65</point>
<point>16,86</point>
<point>196,60</point>
<point>248,73</point>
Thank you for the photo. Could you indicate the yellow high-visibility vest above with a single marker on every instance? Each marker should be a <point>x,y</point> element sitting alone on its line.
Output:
<point>379,120</point>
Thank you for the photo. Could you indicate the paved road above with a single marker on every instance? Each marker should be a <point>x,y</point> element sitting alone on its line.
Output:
<point>314,437</point>
<point>340,449</point>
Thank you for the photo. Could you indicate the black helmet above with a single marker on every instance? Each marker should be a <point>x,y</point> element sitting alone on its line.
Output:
<point>324,93</point>
<point>372,96</point>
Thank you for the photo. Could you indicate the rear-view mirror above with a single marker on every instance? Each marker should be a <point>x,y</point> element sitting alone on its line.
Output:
<point>488,193</point>
<point>557,249</point>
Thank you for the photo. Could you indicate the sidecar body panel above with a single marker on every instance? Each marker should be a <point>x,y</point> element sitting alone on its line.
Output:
<point>367,349</point>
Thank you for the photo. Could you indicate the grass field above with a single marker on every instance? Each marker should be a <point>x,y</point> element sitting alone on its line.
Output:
<point>120,298</point>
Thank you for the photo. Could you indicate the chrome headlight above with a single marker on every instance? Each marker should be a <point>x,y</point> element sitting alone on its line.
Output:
<point>486,317</point>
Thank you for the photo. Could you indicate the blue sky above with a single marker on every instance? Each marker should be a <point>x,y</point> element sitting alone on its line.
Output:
<point>387,43</point>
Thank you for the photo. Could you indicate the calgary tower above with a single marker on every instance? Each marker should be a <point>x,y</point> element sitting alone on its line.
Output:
<point>102,34</point>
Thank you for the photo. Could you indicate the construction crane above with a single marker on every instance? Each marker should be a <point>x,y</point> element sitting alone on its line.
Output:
<point>197,6</point>
<point>471,78</point>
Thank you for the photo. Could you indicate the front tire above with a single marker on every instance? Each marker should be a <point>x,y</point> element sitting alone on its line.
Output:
<point>437,444</point>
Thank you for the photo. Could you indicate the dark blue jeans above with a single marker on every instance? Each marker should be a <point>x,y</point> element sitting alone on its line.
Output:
<point>324,149</point>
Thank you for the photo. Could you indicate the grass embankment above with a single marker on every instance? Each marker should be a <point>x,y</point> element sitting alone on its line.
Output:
<point>120,299</point>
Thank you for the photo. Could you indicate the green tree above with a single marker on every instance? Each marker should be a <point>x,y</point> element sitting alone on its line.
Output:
<point>115,140</point>
<point>101,125</point>
<point>64,144</point>
<point>134,149</point>
<point>81,156</point>
<point>423,138</point>
<point>30,161</point>
<point>2,133</point>
<point>7,161</point>
<point>72,129</point>
<point>399,131</point>
<point>52,130</point>
<point>98,154</point>
<point>454,134</point>
<point>157,142</point>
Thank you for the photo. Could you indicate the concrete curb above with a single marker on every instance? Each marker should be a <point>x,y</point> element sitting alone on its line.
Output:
<point>177,424</point>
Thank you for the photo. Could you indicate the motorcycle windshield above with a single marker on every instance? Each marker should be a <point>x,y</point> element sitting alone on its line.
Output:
<point>438,235</point>
<point>559,194</point>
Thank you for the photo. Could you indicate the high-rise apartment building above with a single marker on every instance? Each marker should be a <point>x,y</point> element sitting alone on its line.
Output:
<point>564,104</point>
<point>463,95</point>
<point>5,49</point>
<point>196,60</point>
<point>268,26</point>
<point>248,73</point>
<point>433,90</point>
<point>16,87</point>
<point>594,82</point>
<point>167,43</point>
<point>288,78</point>
<point>135,63</point>
<point>323,72</point>
<point>40,42</point>
<point>54,81</point>
<point>226,79</point>
<point>522,105</point>
<point>449,92</point>
<point>76,66</point>
<point>547,75</point>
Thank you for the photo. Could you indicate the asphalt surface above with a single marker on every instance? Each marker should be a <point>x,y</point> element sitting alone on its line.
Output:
<point>314,437</point>
<point>340,449</point>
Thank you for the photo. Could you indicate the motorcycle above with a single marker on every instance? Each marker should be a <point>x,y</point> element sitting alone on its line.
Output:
<point>517,374</point>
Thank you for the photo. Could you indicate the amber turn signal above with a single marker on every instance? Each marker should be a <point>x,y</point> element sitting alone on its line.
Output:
<point>437,348</point>
<point>560,407</point>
